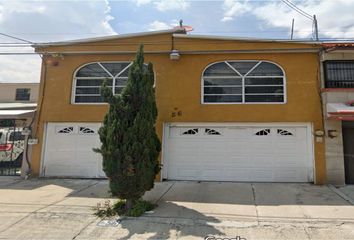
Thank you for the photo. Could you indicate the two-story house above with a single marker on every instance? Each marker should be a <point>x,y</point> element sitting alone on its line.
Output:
<point>337,71</point>
<point>230,109</point>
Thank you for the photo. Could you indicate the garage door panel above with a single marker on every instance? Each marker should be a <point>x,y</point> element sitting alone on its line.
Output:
<point>290,175</point>
<point>68,150</point>
<point>72,172</point>
<point>60,142</point>
<point>264,154</point>
<point>59,156</point>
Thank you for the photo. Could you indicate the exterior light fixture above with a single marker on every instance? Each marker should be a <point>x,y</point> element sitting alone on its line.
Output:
<point>174,55</point>
<point>319,133</point>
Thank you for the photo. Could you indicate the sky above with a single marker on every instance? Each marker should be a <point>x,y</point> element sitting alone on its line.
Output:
<point>50,20</point>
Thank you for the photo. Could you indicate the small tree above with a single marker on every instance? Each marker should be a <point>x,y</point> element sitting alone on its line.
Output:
<point>130,145</point>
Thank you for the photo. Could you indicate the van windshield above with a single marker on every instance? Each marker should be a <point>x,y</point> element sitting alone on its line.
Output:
<point>16,136</point>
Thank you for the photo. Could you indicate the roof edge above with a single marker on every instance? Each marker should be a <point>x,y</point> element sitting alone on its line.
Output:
<point>216,37</point>
<point>179,30</point>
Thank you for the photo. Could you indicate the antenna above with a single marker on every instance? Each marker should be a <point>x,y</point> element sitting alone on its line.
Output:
<point>316,27</point>
<point>292,29</point>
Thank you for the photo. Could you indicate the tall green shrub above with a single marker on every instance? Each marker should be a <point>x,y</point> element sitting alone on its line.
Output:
<point>130,145</point>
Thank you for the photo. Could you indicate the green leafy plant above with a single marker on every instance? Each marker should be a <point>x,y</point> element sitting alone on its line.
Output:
<point>130,146</point>
<point>119,208</point>
<point>104,210</point>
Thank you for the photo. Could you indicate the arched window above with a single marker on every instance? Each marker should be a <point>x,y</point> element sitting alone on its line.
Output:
<point>89,78</point>
<point>243,82</point>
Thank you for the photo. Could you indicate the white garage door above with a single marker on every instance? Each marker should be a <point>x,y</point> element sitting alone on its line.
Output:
<point>238,153</point>
<point>68,151</point>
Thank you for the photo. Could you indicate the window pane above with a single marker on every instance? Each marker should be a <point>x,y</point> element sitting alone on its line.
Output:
<point>219,69</point>
<point>16,136</point>
<point>222,81</point>
<point>340,71</point>
<point>88,99</point>
<point>243,67</point>
<point>125,73</point>
<point>92,82</point>
<point>339,74</point>
<point>266,69</point>
<point>264,90</point>
<point>115,68</point>
<point>264,81</point>
<point>222,90</point>
<point>223,98</point>
<point>23,94</point>
<point>264,98</point>
<point>88,90</point>
<point>121,82</point>
<point>92,70</point>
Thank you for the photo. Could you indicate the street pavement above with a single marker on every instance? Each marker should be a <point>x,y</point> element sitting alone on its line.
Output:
<point>63,209</point>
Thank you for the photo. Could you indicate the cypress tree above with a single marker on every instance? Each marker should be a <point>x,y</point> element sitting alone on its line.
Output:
<point>130,146</point>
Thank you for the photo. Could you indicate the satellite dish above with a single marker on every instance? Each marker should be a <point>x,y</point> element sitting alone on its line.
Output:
<point>185,27</point>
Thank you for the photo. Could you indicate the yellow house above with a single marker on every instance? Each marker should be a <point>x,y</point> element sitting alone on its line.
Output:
<point>229,109</point>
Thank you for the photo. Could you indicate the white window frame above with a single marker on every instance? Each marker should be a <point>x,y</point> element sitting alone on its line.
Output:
<point>243,82</point>
<point>73,90</point>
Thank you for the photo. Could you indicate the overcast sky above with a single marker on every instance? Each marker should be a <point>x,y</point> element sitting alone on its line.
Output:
<point>42,21</point>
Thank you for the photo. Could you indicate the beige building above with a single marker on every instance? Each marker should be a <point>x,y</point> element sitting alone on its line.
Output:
<point>18,95</point>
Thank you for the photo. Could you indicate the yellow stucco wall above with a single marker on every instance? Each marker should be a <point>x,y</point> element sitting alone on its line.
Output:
<point>178,86</point>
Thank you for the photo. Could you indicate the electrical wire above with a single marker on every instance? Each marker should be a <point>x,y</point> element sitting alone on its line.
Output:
<point>13,37</point>
<point>294,7</point>
<point>298,9</point>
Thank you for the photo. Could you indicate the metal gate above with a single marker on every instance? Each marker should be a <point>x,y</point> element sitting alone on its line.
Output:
<point>11,147</point>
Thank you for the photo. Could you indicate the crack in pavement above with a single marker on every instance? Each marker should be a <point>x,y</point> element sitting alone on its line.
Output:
<point>86,226</point>
<point>255,203</point>
<point>158,200</point>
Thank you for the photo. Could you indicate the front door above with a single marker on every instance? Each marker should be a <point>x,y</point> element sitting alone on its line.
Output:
<point>348,144</point>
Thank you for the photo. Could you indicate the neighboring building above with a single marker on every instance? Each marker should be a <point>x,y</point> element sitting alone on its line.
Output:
<point>18,95</point>
<point>337,74</point>
<point>229,109</point>
<point>18,102</point>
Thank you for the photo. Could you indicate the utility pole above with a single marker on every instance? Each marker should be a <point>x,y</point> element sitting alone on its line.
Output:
<point>316,27</point>
<point>292,30</point>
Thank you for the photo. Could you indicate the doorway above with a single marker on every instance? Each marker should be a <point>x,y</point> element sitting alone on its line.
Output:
<point>348,147</point>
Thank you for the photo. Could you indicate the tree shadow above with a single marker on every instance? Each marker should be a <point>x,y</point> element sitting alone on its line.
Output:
<point>183,222</point>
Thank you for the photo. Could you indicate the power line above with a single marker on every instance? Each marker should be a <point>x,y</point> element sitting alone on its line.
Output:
<point>302,11</point>
<point>294,7</point>
<point>13,37</point>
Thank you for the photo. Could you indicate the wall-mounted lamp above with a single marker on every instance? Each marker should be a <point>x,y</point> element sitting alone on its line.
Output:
<point>174,55</point>
<point>333,133</point>
<point>319,133</point>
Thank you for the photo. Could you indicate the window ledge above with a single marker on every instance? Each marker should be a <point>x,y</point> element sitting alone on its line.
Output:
<point>337,90</point>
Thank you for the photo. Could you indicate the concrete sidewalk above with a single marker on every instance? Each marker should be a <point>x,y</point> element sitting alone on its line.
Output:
<point>62,209</point>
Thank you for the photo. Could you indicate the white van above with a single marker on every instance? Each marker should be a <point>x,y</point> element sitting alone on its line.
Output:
<point>11,146</point>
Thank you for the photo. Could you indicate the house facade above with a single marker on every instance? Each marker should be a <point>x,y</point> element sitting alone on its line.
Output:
<point>228,109</point>
<point>337,74</point>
